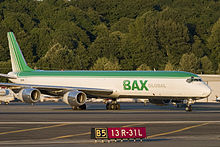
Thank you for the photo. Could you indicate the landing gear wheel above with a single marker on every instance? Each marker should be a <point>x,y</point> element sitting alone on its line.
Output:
<point>107,106</point>
<point>188,108</point>
<point>117,106</point>
<point>113,106</point>
<point>74,108</point>
<point>82,107</point>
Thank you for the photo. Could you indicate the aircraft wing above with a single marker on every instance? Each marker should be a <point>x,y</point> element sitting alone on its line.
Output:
<point>60,90</point>
<point>7,76</point>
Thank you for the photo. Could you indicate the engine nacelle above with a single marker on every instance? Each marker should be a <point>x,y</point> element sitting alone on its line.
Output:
<point>160,101</point>
<point>74,98</point>
<point>4,92</point>
<point>31,95</point>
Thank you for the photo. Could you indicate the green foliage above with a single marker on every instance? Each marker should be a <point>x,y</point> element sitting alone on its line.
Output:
<point>218,71</point>
<point>143,67</point>
<point>169,67</point>
<point>106,45</point>
<point>127,32</point>
<point>206,65</point>
<point>81,60</point>
<point>214,43</point>
<point>104,64</point>
<point>198,47</point>
<point>122,25</point>
<point>57,57</point>
<point>189,62</point>
<point>5,67</point>
<point>39,46</point>
<point>3,53</point>
<point>101,30</point>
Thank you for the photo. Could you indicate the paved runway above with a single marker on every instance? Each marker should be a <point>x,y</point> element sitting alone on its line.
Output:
<point>55,124</point>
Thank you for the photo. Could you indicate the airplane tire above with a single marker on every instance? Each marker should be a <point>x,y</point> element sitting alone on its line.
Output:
<point>74,107</point>
<point>107,106</point>
<point>112,106</point>
<point>82,107</point>
<point>188,108</point>
<point>117,106</point>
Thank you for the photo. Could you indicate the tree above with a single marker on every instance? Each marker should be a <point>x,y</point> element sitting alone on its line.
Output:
<point>69,34</point>
<point>101,30</point>
<point>214,44</point>
<point>104,64</point>
<point>206,65</point>
<point>108,45</point>
<point>134,32</point>
<point>141,45</point>
<point>122,25</point>
<point>198,47</point>
<point>218,71</point>
<point>5,67</point>
<point>40,39</point>
<point>81,60</point>
<point>57,57</point>
<point>189,62</point>
<point>169,67</point>
<point>173,38</point>
<point>143,67</point>
<point>4,53</point>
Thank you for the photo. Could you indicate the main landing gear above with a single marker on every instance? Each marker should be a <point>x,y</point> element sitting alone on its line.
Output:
<point>82,107</point>
<point>113,105</point>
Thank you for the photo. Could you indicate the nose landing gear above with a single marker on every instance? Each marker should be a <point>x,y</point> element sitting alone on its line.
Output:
<point>189,102</point>
<point>188,108</point>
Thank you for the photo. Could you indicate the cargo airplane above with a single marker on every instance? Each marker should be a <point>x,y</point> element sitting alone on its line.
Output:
<point>74,87</point>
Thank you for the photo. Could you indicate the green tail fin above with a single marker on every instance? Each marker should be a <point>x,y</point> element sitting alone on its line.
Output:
<point>17,59</point>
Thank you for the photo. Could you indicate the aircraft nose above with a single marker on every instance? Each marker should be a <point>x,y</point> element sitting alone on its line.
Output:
<point>207,91</point>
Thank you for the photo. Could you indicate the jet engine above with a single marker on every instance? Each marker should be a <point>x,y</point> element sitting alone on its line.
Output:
<point>4,92</point>
<point>160,102</point>
<point>74,98</point>
<point>31,95</point>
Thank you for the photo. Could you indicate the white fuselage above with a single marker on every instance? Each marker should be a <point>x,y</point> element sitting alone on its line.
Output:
<point>154,87</point>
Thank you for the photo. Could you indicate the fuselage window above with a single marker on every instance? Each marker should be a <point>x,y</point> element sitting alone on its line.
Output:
<point>193,79</point>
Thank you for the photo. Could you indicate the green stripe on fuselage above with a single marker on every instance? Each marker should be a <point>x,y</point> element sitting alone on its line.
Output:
<point>112,74</point>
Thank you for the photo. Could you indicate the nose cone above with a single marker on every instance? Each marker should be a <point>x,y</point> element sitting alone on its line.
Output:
<point>207,91</point>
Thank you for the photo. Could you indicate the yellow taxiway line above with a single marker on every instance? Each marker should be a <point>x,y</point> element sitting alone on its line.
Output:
<point>67,136</point>
<point>175,131</point>
<point>87,133</point>
<point>152,136</point>
<point>32,129</point>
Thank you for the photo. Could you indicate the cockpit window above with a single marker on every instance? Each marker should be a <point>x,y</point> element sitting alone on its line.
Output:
<point>192,79</point>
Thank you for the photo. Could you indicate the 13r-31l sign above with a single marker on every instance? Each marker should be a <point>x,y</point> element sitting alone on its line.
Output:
<point>117,133</point>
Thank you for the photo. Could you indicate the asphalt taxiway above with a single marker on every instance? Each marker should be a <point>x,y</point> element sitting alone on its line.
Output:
<point>56,124</point>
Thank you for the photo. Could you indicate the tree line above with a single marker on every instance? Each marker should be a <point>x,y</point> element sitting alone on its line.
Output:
<point>113,34</point>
